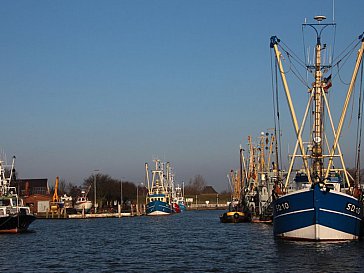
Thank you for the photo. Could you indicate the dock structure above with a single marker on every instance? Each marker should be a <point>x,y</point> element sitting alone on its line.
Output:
<point>100,215</point>
<point>57,215</point>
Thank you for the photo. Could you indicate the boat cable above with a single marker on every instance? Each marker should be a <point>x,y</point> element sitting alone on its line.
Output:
<point>343,60</point>
<point>339,67</point>
<point>352,100</point>
<point>344,53</point>
<point>275,98</point>
<point>304,46</point>
<point>338,61</point>
<point>292,68</point>
<point>359,128</point>
<point>302,63</point>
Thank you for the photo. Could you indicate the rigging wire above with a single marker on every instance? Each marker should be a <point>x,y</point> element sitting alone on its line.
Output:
<point>352,105</point>
<point>344,52</point>
<point>302,63</point>
<point>278,116</point>
<point>349,50</point>
<point>274,82</point>
<point>333,47</point>
<point>304,47</point>
<point>292,67</point>
<point>298,75</point>
<point>344,62</point>
<point>359,128</point>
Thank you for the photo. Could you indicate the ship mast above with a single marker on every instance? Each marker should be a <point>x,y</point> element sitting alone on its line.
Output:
<point>318,109</point>
<point>315,173</point>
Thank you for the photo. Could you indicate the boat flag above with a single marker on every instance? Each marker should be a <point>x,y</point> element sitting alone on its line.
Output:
<point>328,83</point>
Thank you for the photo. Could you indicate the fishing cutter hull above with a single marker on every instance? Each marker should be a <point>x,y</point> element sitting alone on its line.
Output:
<point>317,214</point>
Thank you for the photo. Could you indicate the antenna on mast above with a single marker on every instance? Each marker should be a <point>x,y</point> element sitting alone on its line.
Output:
<point>333,11</point>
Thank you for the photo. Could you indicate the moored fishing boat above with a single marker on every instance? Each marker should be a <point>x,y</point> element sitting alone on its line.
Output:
<point>179,199</point>
<point>158,198</point>
<point>321,207</point>
<point>14,216</point>
<point>176,208</point>
<point>238,211</point>
<point>260,176</point>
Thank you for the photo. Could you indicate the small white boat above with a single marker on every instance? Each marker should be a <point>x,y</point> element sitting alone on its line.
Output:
<point>82,202</point>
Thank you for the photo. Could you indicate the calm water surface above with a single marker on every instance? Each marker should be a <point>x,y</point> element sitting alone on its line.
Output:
<point>194,241</point>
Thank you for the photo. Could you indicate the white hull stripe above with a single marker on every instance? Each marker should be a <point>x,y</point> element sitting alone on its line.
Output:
<point>337,212</point>
<point>294,212</point>
<point>326,210</point>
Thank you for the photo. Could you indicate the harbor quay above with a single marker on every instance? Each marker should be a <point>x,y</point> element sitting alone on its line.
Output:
<point>140,211</point>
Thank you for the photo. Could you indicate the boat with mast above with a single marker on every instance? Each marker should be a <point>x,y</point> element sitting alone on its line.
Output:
<point>14,216</point>
<point>172,189</point>
<point>179,198</point>
<point>238,211</point>
<point>158,199</point>
<point>325,204</point>
<point>261,175</point>
<point>83,204</point>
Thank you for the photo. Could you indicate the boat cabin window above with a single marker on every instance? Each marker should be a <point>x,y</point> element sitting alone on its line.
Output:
<point>5,202</point>
<point>306,185</point>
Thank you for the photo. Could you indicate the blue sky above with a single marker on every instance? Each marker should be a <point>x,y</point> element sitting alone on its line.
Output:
<point>110,85</point>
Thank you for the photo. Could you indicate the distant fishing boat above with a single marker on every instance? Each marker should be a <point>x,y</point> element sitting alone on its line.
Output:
<point>260,176</point>
<point>325,204</point>
<point>179,198</point>
<point>158,198</point>
<point>14,216</point>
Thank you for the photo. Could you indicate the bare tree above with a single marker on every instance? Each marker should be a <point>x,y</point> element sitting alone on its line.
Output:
<point>61,187</point>
<point>195,185</point>
<point>108,189</point>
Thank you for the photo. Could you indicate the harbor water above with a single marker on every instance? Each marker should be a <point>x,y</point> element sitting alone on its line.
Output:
<point>192,241</point>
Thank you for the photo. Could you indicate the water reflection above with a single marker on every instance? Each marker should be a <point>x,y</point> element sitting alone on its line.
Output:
<point>319,256</point>
<point>188,242</point>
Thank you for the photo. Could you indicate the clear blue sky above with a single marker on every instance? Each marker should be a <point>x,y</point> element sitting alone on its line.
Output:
<point>111,84</point>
